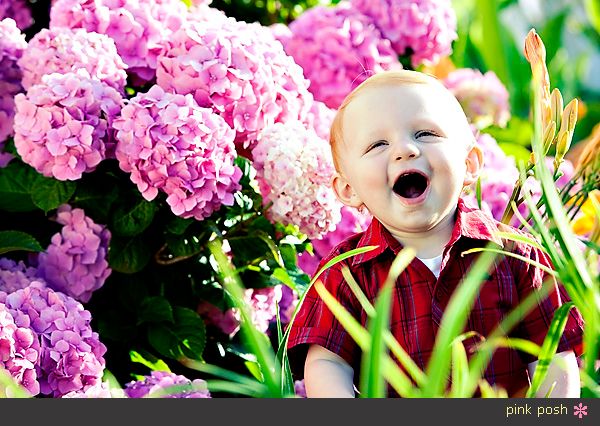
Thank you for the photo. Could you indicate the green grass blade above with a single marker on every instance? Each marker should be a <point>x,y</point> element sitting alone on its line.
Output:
<point>453,323</point>
<point>9,388</point>
<point>516,256</point>
<point>460,370</point>
<point>392,373</point>
<point>518,238</point>
<point>257,342</point>
<point>548,350</point>
<point>220,372</point>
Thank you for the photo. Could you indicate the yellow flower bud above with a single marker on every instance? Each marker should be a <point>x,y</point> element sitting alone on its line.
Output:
<point>549,136</point>
<point>556,103</point>
<point>562,146</point>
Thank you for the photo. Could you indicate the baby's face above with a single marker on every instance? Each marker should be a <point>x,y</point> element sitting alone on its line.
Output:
<point>406,155</point>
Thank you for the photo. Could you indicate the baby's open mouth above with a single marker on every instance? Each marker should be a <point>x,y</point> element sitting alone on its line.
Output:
<point>411,184</point>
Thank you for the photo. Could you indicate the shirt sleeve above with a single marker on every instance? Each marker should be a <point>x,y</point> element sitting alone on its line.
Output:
<point>536,324</point>
<point>316,324</point>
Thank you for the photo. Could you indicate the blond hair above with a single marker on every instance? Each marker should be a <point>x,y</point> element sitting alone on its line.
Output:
<point>398,77</point>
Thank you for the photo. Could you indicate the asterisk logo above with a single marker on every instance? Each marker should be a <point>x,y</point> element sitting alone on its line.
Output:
<point>580,410</point>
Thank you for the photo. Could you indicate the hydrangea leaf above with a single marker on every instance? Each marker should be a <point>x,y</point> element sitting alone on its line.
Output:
<point>15,186</point>
<point>48,194</point>
<point>129,255</point>
<point>17,240</point>
<point>130,220</point>
<point>185,338</point>
<point>155,309</point>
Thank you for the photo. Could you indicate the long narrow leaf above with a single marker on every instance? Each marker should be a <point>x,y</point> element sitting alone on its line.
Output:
<point>516,256</point>
<point>557,326</point>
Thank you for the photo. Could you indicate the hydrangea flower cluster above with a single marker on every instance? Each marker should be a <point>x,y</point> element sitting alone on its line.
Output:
<point>237,69</point>
<point>263,305</point>
<point>168,143</point>
<point>63,50</point>
<point>158,382</point>
<point>99,390</point>
<point>19,351</point>
<point>138,27</point>
<point>18,11</point>
<point>16,275</point>
<point>75,262</point>
<point>71,354</point>
<point>12,45</point>
<point>482,96</point>
<point>287,304</point>
<point>338,48</point>
<point>300,388</point>
<point>319,119</point>
<point>294,170</point>
<point>353,221</point>
<point>62,125</point>
<point>227,321</point>
<point>425,29</point>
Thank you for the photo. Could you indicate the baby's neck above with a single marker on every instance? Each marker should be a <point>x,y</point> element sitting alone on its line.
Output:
<point>431,243</point>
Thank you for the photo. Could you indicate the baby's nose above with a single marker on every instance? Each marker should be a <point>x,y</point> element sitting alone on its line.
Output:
<point>406,151</point>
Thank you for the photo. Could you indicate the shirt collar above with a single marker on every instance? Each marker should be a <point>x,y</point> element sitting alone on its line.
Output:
<point>470,223</point>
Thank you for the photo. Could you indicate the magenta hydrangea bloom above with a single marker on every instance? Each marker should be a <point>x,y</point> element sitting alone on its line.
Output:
<point>62,125</point>
<point>19,352</point>
<point>168,143</point>
<point>294,171</point>
<point>227,321</point>
<point>351,223</point>
<point>138,27</point>
<point>16,275</point>
<point>75,262</point>
<point>71,356</point>
<point>423,28</point>
<point>63,50</point>
<point>12,45</point>
<point>263,305</point>
<point>237,69</point>
<point>157,383</point>
<point>483,97</point>
<point>287,304</point>
<point>18,11</point>
<point>338,48</point>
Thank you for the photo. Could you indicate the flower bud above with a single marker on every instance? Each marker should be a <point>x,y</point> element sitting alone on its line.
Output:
<point>549,136</point>
<point>556,103</point>
<point>562,146</point>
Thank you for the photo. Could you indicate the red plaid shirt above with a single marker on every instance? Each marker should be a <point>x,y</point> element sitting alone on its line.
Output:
<point>419,298</point>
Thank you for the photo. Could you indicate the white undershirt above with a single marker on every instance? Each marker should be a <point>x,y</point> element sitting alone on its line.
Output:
<point>434,264</point>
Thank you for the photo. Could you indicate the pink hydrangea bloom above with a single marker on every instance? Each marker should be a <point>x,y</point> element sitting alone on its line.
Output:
<point>423,28</point>
<point>294,171</point>
<point>160,381</point>
<point>338,48</point>
<point>19,351</point>
<point>75,262</point>
<point>62,125</point>
<point>168,143</point>
<point>18,11</point>
<point>16,275</point>
<point>138,27</point>
<point>483,97</point>
<point>227,321</point>
<point>319,119</point>
<point>263,305</point>
<point>63,50</point>
<point>12,45</point>
<point>237,69</point>
<point>352,222</point>
<point>71,356</point>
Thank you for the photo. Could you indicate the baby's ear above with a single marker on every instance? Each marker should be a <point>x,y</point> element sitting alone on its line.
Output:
<point>474,162</point>
<point>344,191</point>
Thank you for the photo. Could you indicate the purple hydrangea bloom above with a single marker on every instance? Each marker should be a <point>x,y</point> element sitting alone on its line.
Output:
<point>62,125</point>
<point>483,96</point>
<point>138,27</point>
<point>227,321</point>
<point>168,143</point>
<point>287,304</point>
<point>16,275</point>
<point>426,27</point>
<point>19,351</point>
<point>300,388</point>
<point>71,356</point>
<point>12,45</point>
<point>62,50</point>
<point>159,382</point>
<point>352,222</point>
<point>294,170</point>
<point>237,69</point>
<point>338,48</point>
<point>18,11</point>
<point>75,262</point>
<point>99,390</point>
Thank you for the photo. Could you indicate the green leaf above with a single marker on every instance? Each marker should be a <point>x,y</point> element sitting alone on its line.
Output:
<point>254,369</point>
<point>9,388</point>
<point>178,225</point>
<point>281,275</point>
<point>478,192</point>
<point>517,151</point>
<point>18,241</point>
<point>48,194</point>
<point>130,220</point>
<point>146,358</point>
<point>185,338</point>
<point>592,8</point>
<point>15,185</point>
<point>549,346</point>
<point>129,254</point>
<point>552,33</point>
<point>155,309</point>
